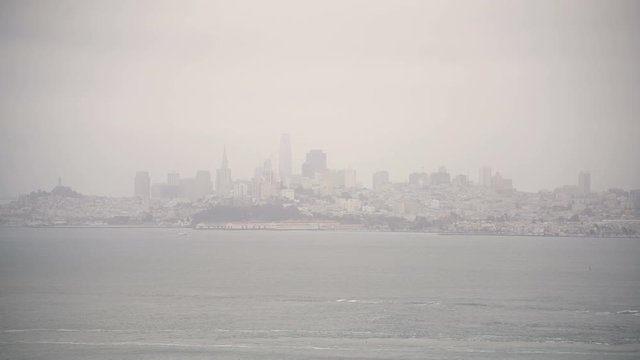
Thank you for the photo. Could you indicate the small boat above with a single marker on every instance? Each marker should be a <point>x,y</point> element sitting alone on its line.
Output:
<point>183,233</point>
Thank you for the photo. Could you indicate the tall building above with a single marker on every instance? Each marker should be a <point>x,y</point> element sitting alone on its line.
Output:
<point>634,198</point>
<point>440,177</point>
<point>142,185</point>
<point>223,177</point>
<point>584,182</point>
<point>173,179</point>
<point>241,189</point>
<point>380,180</point>
<point>484,176</point>
<point>284,161</point>
<point>316,162</point>
<point>165,191</point>
<point>420,179</point>
<point>264,182</point>
<point>344,179</point>
<point>461,180</point>
<point>501,184</point>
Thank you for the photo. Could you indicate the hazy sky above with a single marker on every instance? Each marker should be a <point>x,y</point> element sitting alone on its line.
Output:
<point>93,91</point>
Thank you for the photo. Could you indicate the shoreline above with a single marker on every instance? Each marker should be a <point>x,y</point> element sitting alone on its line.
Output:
<point>315,230</point>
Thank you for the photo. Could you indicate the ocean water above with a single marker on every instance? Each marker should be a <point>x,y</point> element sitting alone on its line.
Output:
<point>153,294</point>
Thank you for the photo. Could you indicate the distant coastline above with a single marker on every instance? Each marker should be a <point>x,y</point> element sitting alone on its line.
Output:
<point>335,230</point>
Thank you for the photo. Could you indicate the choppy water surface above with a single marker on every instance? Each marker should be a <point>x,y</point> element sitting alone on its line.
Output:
<point>150,293</point>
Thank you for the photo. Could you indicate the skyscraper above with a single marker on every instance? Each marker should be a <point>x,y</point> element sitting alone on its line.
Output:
<point>345,179</point>
<point>142,185</point>
<point>223,177</point>
<point>316,162</point>
<point>380,180</point>
<point>634,198</point>
<point>173,179</point>
<point>285,159</point>
<point>584,182</point>
<point>484,176</point>
<point>440,177</point>
<point>420,179</point>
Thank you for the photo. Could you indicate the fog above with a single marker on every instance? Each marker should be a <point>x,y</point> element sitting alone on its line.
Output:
<point>93,91</point>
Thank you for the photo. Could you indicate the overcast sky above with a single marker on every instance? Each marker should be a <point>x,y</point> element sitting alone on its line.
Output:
<point>93,91</point>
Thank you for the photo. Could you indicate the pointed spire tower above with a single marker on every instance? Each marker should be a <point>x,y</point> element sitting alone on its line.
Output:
<point>223,176</point>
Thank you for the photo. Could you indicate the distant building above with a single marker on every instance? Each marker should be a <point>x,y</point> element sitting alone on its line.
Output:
<point>461,180</point>
<point>440,177</point>
<point>634,197</point>
<point>142,185</point>
<point>170,190</point>
<point>350,179</point>
<point>584,182</point>
<point>173,179</point>
<point>284,161</point>
<point>344,179</point>
<point>325,181</point>
<point>316,161</point>
<point>241,189</point>
<point>264,182</point>
<point>288,194</point>
<point>484,176</point>
<point>420,179</point>
<point>165,191</point>
<point>223,177</point>
<point>380,180</point>
<point>501,184</point>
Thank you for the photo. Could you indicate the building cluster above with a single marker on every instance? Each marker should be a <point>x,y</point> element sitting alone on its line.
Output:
<point>327,198</point>
<point>266,185</point>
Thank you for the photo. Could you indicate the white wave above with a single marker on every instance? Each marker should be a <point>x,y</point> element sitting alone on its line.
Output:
<point>603,313</point>
<point>628,312</point>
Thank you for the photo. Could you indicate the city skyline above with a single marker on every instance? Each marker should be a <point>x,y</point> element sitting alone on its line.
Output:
<point>297,162</point>
<point>145,182</point>
<point>336,179</point>
<point>94,91</point>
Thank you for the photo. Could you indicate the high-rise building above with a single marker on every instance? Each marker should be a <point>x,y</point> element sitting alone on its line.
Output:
<point>241,189</point>
<point>634,199</point>
<point>165,191</point>
<point>484,176</point>
<point>316,162</point>
<point>173,179</point>
<point>501,184</point>
<point>419,179</point>
<point>380,180</point>
<point>461,180</point>
<point>142,185</point>
<point>284,161</point>
<point>344,179</point>
<point>223,177</point>
<point>584,182</point>
<point>440,177</point>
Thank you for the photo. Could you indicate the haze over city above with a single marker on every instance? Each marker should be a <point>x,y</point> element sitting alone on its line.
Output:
<point>320,179</point>
<point>94,91</point>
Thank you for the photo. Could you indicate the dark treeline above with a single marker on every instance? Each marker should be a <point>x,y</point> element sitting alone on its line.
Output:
<point>269,212</point>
